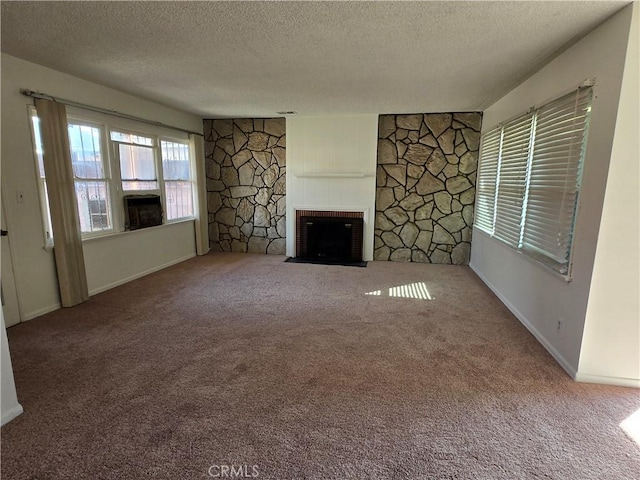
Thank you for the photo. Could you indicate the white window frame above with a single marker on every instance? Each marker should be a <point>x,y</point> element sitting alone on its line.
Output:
<point>108,178</point>
<point>115,156</point>
<point>192,173</point>
<point>527,215</point>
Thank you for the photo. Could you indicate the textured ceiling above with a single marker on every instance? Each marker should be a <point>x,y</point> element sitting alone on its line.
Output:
<point>253,59</point>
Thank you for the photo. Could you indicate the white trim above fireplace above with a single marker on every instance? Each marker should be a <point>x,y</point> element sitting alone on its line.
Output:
<point>333,175</point>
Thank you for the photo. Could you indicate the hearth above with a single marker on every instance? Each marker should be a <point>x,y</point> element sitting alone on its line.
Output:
<point>329,237</point>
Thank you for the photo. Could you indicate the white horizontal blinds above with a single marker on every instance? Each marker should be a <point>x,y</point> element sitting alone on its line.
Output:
<point>555,176</point>
<point>486,182</point>
<point>512,180</point>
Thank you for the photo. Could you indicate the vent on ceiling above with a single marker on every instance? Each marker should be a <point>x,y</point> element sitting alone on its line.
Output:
<point>290,112</point>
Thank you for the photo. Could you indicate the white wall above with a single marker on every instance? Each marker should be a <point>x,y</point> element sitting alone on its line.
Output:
<point>611,341</point>
<point>106,263</point>
<point>535,295</point>
<point>9,400</point>
<point>331,165</point>
<point>137,253</point>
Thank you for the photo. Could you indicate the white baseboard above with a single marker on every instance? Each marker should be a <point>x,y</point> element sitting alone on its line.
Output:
<point>11,414</point>
<point>604,380</point>
<point>109,286</point>
<point>529,326</point>
<point>42,311</point>
<point>122,281</point>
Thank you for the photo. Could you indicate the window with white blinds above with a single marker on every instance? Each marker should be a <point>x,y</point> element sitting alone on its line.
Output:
<point>487,180</point>
<point>554,181</point>
<point>512,165</point>
<point>529,179</point>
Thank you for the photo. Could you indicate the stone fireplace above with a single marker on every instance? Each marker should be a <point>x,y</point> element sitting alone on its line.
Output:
<point>410,178</point>
<point>332,168</point>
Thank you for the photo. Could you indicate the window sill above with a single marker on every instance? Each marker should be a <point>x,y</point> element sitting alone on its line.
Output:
<point>137,231</point>
<point>94,238</point>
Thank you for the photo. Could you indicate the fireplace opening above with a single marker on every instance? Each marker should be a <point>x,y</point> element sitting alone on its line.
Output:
<point>329,238</point>
<point>333,238</point>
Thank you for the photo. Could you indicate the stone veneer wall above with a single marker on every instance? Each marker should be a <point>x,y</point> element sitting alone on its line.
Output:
<point>425,187</point>
<point>246,182</point>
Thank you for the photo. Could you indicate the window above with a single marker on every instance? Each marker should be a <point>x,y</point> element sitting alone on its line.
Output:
<point>111,162</point>
<point>487,181</point>
<point>511,182</point>
<point>137,161</point>
<point>42,183</point>
<point>529,179</point>
<point>90,177</point>
<point>178,187</point>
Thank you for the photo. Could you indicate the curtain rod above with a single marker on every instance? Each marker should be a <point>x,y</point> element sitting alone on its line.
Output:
<point>44,96</point>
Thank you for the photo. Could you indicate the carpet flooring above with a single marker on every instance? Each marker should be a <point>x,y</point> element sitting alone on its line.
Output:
<point>247,365</point>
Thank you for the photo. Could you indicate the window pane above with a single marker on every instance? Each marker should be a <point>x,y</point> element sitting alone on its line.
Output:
<point>514,157</point>
<point>179,199</point>
<point>130,138</point>
<point>86,157</point>
<point>487,180</point>
<point>93,206</point>
<point>136,185</point>
<point>136,163</point>
<point>175,161</point>
<point>37,140</point>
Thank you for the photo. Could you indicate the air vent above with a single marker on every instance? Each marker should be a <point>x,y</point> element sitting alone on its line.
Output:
<point>290,112</point>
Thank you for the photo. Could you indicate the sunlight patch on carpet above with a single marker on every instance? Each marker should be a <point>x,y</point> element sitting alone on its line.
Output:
<point>631,426</point>
<point>417,291</point>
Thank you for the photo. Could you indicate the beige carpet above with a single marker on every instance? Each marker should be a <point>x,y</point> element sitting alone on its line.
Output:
<point>244,360</point>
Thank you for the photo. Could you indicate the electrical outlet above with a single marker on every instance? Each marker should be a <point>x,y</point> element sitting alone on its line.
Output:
<point>560,324</point>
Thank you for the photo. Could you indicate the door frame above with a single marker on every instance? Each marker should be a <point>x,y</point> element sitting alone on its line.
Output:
<point>12,312</point>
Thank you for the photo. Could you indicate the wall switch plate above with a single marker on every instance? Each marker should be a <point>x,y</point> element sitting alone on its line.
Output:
<point>20,196</point>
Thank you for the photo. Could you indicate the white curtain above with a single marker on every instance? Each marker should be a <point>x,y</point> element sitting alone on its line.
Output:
<point>202,216</point>
<point>72,277</point>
